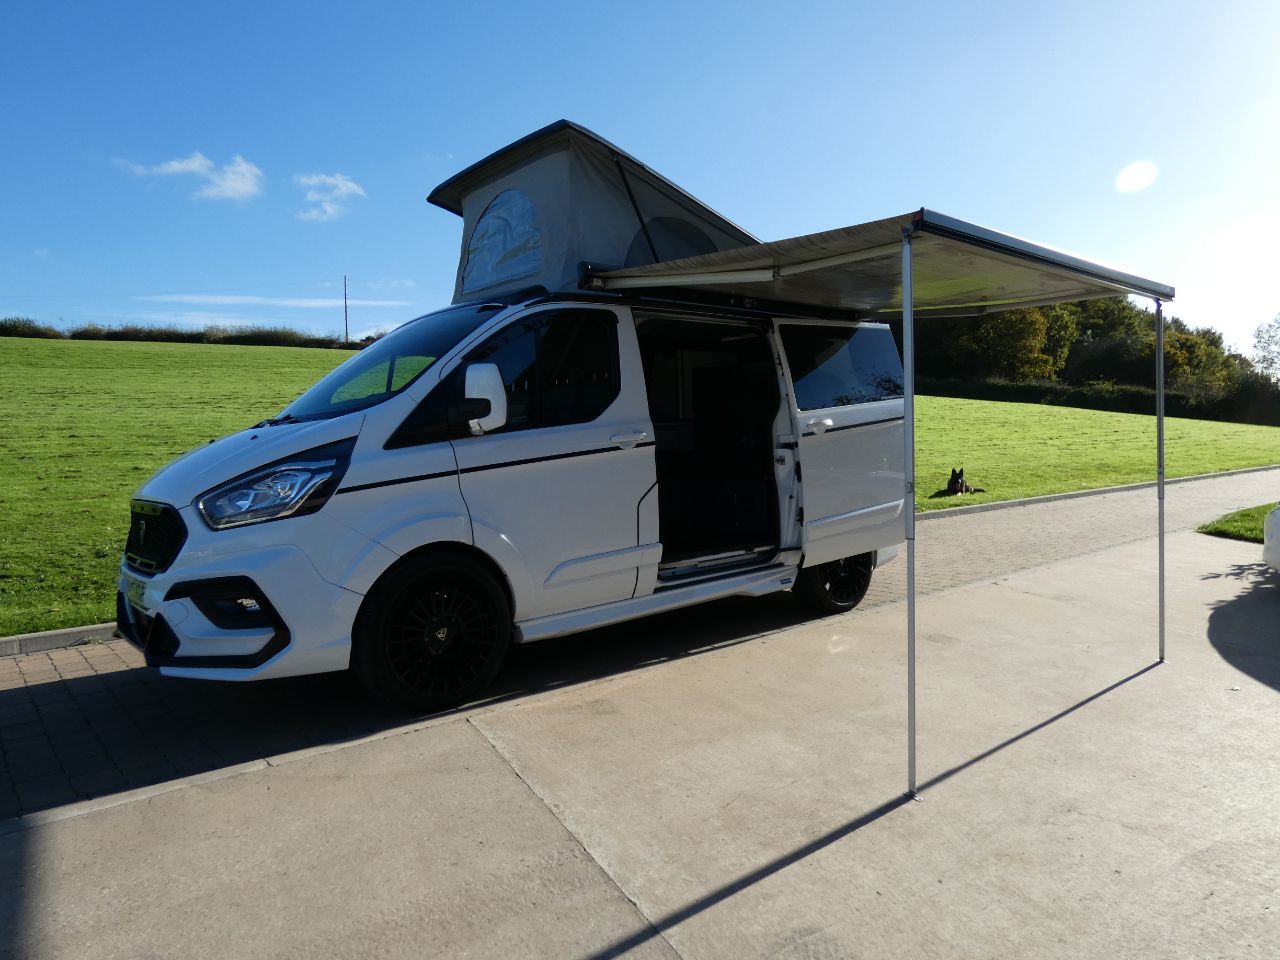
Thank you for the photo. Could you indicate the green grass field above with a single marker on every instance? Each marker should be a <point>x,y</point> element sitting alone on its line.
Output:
<point>1242,525</point>
<point>86,422</point>
<point>1025,449</point>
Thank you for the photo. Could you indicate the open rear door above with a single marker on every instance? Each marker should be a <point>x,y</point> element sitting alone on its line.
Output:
<point>845,380</point>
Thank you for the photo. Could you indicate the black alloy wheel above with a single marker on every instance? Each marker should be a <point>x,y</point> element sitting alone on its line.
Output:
<point>838,586</point>
<point>432,633</point>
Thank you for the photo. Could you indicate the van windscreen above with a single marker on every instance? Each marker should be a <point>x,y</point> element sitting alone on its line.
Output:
<point>387,366</point>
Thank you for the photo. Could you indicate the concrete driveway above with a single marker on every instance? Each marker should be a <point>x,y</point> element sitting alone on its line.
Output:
<point>724,782</point>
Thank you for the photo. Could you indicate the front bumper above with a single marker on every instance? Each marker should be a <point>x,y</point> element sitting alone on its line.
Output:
<point>235,605</point>
<point>262,611</point>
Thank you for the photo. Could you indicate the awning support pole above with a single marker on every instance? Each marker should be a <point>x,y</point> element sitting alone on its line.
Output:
<point>909,496</point>
<point>1160,455</point>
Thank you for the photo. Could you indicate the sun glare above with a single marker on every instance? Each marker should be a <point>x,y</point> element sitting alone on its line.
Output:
<point>1137,176</point>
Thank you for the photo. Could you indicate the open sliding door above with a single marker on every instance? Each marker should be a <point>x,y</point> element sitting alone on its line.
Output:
<point>846,383</point>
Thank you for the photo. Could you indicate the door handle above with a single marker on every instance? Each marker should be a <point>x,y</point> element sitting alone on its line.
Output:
<point>628,440</point>
<point>821,425</point>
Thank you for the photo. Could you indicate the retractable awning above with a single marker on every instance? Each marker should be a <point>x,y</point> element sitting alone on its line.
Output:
<point>925,264</point>
<point>962,269</point>
<point>563,208</point>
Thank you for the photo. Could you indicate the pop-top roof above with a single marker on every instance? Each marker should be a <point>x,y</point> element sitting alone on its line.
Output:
<point>535,210</point>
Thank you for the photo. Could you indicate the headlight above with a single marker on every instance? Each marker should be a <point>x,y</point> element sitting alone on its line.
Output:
<point>292,487</point>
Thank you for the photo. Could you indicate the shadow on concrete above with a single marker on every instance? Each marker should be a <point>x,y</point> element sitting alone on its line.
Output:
<point>88,737</point>
<point>667,921</point>
<point>92,736</point>
<point>1245,630</point>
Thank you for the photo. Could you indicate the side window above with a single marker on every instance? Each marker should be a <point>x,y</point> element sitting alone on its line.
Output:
<point>515,350</point>
<point>577,366</point>
<point>559,367</point>
<point>839,366</point>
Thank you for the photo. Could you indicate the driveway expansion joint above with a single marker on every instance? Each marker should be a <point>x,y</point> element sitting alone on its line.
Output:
<point>640,912</point>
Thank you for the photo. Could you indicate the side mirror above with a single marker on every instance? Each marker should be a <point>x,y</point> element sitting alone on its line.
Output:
<point>484,383</point>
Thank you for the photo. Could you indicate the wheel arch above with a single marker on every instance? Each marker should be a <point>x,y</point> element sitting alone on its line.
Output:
<point>444,548</point>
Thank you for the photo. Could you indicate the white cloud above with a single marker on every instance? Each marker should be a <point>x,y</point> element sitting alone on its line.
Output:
<point>325,192</point>
<point>237,180</point>
<point>237,300</point>
<point>391,284</point>
<point>1137,176</point>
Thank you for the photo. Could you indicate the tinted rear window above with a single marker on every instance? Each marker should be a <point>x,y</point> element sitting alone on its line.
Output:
<point>839,366</point>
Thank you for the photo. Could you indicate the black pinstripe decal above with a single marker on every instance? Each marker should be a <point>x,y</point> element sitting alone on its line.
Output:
<point>490,466</point>
<point>555,456</point>
<point>389,483</point>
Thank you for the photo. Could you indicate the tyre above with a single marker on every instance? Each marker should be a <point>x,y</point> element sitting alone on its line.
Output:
<point>836,587</point>
<point>432,633</point>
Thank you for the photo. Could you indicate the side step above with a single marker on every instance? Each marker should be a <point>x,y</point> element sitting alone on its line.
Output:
<point>754,583</point>
<point>696,567</point>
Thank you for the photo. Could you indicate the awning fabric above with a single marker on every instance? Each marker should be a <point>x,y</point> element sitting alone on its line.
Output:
<point>960,270</point>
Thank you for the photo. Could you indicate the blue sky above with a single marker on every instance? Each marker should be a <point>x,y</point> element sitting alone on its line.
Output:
<point>175,162</point>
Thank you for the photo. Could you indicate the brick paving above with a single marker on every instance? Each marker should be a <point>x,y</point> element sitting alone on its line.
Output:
<point>88,721</point>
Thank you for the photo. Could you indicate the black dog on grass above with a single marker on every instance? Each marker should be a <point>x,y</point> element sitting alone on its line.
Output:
<point>957,485</point>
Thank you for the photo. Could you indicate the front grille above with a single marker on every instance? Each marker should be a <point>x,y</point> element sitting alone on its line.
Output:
<point>156,534</point>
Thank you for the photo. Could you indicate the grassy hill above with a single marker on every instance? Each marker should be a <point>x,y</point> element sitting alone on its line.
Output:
<point>86,422</point>
<point>1025,449</point>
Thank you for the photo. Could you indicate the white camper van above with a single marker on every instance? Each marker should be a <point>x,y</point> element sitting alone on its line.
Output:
<point>535,460</point>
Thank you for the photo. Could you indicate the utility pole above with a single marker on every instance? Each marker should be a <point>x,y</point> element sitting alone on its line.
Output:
<point>346,330</point>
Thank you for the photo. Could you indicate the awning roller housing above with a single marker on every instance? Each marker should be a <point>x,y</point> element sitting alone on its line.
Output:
<point>961,270</point>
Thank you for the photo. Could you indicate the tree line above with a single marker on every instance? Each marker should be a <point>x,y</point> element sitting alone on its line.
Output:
<point>1099,349</point>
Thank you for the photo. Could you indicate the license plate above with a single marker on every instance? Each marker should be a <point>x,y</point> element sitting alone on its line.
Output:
<point>133,591</point>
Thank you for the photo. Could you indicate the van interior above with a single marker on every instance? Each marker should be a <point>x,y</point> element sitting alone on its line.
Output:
<point>713,398</point>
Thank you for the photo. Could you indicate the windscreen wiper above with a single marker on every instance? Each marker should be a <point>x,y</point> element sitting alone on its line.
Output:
<point>273,421</point>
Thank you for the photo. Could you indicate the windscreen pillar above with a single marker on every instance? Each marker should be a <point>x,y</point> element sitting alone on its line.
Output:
<point>1160,457</point>
<point>909,496</point>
